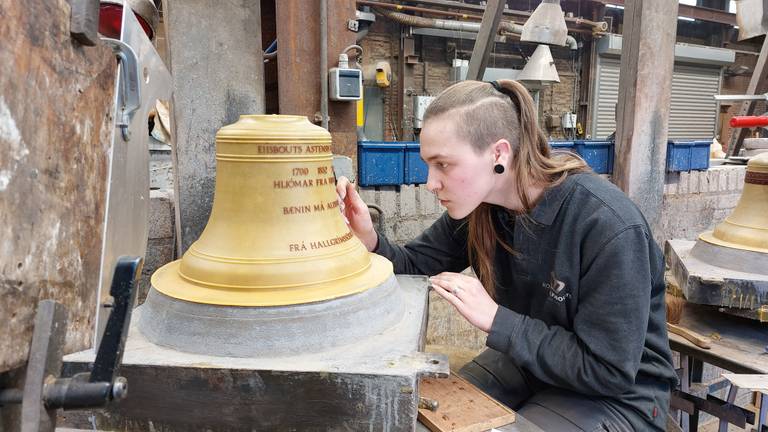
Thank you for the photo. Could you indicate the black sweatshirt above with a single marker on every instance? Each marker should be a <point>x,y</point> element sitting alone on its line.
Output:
<point>582,305</point>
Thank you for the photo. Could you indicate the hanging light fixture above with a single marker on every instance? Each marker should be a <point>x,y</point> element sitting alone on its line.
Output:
<point>546,25</point>
<point>540,69</point>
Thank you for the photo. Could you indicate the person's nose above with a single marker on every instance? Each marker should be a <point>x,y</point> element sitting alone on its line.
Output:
<point>433,184</point>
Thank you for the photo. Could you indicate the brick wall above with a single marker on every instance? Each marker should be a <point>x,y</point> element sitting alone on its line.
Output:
<point>696,201</point>
<point>408,209</point>
<point>160,247</point>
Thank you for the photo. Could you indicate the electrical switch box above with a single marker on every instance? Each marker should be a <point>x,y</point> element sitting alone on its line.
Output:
<point>345,84</point>
<point>420,104</point>
<point>568,120</point>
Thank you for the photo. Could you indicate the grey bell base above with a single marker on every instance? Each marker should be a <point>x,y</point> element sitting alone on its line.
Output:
<point>699,269</point>
<point>368,385</point>
<point>232,331</point>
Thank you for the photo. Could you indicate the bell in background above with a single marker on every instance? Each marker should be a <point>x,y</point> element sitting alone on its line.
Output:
<point>276,262</point>
<point>728,267</point>
<point>747,227</point>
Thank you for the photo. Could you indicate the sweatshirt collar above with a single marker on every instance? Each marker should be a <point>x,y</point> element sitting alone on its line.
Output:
<point>551,200</point>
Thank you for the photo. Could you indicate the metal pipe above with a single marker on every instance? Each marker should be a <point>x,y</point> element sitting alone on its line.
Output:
<point>596,26</point>
<point>11,396</point>
<point>748,121</point>
<point>324,63</point>
<point>417,21</point>
<point>505,27</point>
<point>418,9</point>
<point>358,48</point>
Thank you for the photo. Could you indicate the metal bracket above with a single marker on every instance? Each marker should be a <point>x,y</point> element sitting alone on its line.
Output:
<point>84,21</point>
<point>129,98</point>
<point>44,392</point>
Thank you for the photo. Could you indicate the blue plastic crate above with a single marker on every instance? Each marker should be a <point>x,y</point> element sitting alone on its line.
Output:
<point>380,163</point>
<point>597,154</point>
<point>687,155</point>
<point>562,145</point>
<point>416,169</point>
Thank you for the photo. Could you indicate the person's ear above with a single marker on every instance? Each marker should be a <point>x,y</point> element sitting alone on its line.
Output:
<point>501,151</point>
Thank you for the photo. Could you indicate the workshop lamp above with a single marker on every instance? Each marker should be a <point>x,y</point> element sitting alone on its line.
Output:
<point>111,17</point>
<point>546,25</point>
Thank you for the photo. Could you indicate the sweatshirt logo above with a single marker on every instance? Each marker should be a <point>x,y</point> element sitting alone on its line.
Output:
<point>556,289</point>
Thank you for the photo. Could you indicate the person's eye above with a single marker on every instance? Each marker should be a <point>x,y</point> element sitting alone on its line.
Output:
<point>442,165</point>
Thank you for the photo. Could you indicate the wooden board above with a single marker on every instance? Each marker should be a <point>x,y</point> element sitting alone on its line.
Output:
<point>738,345</point>
<point>462,406</point>
<point>749,381</point>
<point>56,120</point>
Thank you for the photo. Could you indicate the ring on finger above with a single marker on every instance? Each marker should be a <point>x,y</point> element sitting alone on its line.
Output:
<point>456,289</point>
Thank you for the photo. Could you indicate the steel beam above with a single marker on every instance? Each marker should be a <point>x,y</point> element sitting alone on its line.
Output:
<point>695,12</point>
<point>485,39</point>
<point>757,84</point>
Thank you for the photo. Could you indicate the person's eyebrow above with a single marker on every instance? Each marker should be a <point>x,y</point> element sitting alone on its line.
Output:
<point>435,156</point>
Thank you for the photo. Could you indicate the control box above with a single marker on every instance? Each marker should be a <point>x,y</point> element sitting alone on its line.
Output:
<point>420,104</point>
<point>345,84</point>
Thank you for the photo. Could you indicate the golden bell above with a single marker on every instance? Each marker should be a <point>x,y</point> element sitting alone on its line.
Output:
<point>275,235</point>
<point>747,227</point>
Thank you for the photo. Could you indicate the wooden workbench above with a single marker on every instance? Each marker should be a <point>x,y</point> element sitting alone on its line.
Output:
<point>741,347</point>
<point>737,345</point>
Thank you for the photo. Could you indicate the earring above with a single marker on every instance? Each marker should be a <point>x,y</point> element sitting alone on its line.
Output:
<point>498,168</point>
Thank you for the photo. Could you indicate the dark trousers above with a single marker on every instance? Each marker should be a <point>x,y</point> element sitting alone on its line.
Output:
<point>550,408</point>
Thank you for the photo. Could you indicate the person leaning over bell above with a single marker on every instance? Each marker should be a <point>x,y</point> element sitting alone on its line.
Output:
<point>571,282</point>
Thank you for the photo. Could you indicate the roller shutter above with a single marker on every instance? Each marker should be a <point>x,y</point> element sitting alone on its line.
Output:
<point>693,111</point>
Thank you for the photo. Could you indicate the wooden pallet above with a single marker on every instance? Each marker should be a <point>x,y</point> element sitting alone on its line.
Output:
<point>462,407</point>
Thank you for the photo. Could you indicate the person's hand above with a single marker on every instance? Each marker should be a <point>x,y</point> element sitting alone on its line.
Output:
<point>467,294</point>
<point>356,213</point>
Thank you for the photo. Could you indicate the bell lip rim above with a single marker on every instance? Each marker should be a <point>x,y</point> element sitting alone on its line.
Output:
<point>709,237</point>
<point>758,163</point>
<point>240,297</point>
<point>273,116</point>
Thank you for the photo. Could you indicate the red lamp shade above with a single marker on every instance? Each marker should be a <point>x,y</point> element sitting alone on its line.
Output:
<point>110,20</point>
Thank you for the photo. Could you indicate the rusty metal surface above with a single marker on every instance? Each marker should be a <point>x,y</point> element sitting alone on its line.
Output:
<point>55,125</point>
<point>298,63</point>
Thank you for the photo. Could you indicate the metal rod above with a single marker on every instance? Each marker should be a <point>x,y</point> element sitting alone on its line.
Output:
<point>11,396</point>
<point>419,9</point>
<point>324,63</point>
<point>741,97</point>
<point>597,26</point>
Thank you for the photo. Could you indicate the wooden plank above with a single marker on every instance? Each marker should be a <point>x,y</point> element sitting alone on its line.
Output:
<point>56,120</point>
<point>207,398</point>
<point>752,382</point>
<point>738,344</point>
<point>645,86</point>
<point>462,406</point>
<point>486,39</point>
